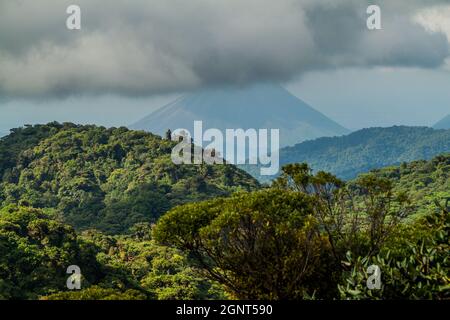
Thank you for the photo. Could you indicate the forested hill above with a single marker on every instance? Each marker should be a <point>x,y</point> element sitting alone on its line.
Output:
<point>37,247</point>
<point>101,178</point>
<point>21,139</point>
<point>423,181</point>
<point>366,149</point>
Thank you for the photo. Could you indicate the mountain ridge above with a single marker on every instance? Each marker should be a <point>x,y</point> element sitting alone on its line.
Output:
<point>365,149</point>
<point>443,124</point>
<point>109,179</point>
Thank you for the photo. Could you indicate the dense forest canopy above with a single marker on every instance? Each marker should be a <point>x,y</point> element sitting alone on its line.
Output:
<point>109,179</point>
<point>423,181</point>
<point>314,236</point>
<point>37,249</point>
<point>364,150</point>
<point>111,202</point>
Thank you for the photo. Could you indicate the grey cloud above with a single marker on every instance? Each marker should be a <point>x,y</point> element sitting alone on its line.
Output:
<point>144,47</point>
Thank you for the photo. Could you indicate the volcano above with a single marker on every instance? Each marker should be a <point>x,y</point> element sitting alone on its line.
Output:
<point>263,106</point>
<point>443,124</point>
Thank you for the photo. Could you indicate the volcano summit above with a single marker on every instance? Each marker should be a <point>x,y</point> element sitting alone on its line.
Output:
<point>259,106</point>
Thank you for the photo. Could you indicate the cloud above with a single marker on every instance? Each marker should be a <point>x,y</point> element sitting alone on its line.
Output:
<point>436,19</point>
<point>142,47</point>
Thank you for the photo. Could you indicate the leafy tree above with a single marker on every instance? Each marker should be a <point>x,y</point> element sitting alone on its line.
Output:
<point>36,250</point>
<point>248,242</point>
<point>35,253</point>
<point>309,236</point>
<point>358,216</point>
<point>261,245</point>
<point>156,271</point>
<point>419,270</point>
<point>109,179</point>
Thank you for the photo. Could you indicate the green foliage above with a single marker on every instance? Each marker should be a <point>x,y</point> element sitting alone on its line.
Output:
<point>366,220</point>
<point>159,272</point>
<point>364,150</point>
<point>420,270</point>
<point>260,245</point>
<point>21,139</point>
<point>423,181</point>
<point>309,236</point>
<point>36,250</point>
<point>357,216</point>
<point>35,253</point>
<point>109,179</point>
<point>96,293</point>
<point>294,241</point>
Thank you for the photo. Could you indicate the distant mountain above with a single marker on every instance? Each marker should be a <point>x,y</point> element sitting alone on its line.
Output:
<point>258,107</point>
<point>443,124</point>
<point>365,150</point>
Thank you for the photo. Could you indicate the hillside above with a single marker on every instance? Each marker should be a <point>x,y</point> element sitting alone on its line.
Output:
<point>109,179</point>
<point>38,246</point>
<point>21,139</point>
<point>366,149</point>
<point>443,124</point>
<point>424,181</point>
<point>258,107</point>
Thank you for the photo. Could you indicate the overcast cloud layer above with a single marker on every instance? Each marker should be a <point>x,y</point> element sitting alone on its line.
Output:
<point>142,47</point>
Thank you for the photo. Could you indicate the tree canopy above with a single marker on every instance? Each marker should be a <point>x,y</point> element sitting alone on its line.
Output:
<point>109,179</point>
<point>111,202</point>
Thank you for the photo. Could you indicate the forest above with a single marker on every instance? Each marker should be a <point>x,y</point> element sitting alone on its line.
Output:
<point>364,150</point>
<point>110,201</point>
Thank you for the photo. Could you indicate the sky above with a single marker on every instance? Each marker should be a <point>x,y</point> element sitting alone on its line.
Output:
<point>131,57</point>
